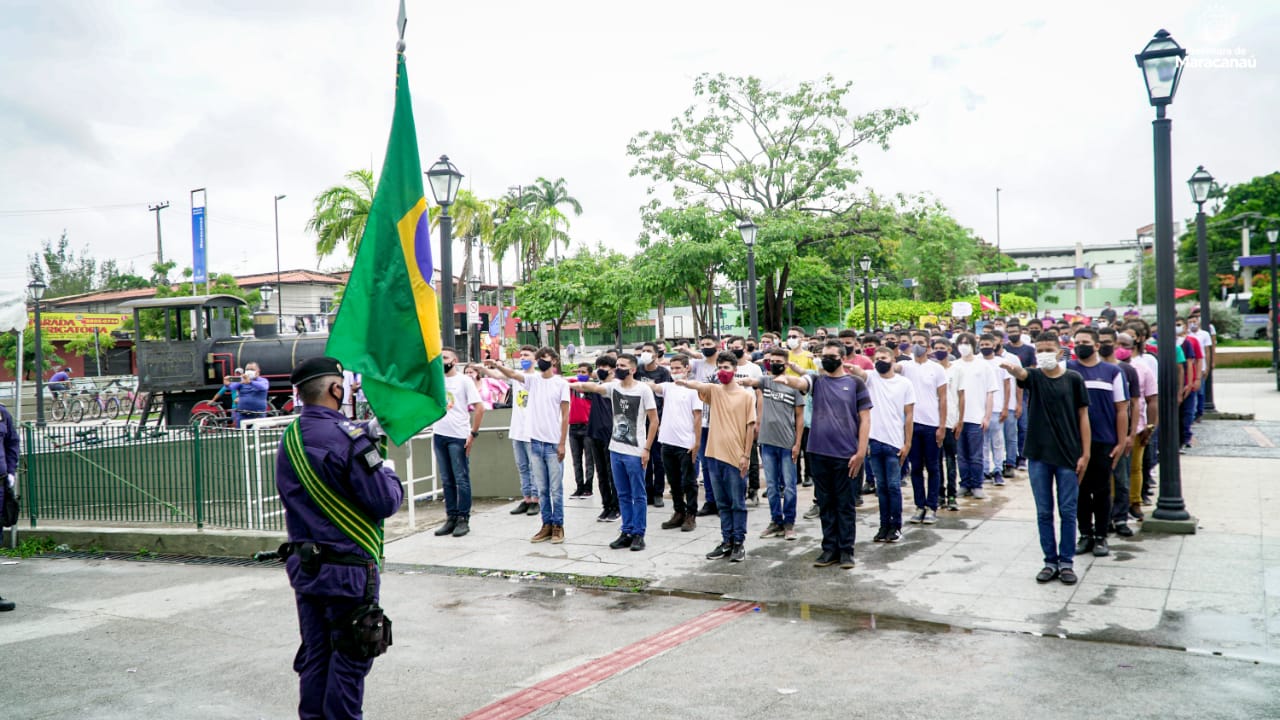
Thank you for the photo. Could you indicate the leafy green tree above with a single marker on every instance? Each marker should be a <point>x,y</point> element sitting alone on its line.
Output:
<point>554,292</point>
<point>939,254</point>
<point>9,351</point>
<point>616,288</point>
<point>1130,292</point>
<point>697,245</point>
<point>472,222</point>
<point>780,157</point>
<point>816,292</point>
<point>340,213</point>
<point>62,269</point>
<point>220,284</point>
<point>1258,200</point>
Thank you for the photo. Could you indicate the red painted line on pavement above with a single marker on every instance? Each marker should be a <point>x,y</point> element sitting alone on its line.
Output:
<point>554,689</point>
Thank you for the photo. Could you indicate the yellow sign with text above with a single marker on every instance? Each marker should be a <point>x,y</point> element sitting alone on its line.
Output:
<point>69,326</point>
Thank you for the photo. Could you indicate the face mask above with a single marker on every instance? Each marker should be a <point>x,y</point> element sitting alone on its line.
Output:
<point>777,368</point>
<point>1123,354</point>
<point>1106,351</point>
<point>869,351</point>
<point>602,373</point>
<point>940,355</point>
<point>1181,330</point>
<point>448,367</point>
<point>1033,335</point>
<point>883,366</point>
<point>337,398</point>
<point>830,363</point>
<point>965,349</point>
<point>1084,352</point>
<point>751,347</point>
<point>793,343</point>
<point>987,352</point>
<point>525,364</point>
<point>919,350</point>
<point>708,352</point>
<point>677,377</point>
<point>622,373</point>
<point>1194,327</point>
<point>646,359</point>
<point>903,347</point>
<point>583,377</point>
<point>1047,361</point>
<point>724,376</point>
<point>738,352</point>
<point>250,374</point>
<point>544,365</point>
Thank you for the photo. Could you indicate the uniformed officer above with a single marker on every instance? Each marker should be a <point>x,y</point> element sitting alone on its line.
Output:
<point>330,565</point>
<point>8,471</point>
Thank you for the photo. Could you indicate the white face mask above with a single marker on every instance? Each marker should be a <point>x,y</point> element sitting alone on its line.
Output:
<point>793,343</point>
<point>677,377</point>
<point>1047,361</point>
<point>250,374</point>
<point>646,358</point>
<point>965,349</point>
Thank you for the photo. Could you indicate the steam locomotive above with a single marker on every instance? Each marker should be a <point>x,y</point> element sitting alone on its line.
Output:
<point>187,345</point>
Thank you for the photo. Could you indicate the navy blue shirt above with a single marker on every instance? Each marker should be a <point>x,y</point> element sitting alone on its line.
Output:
<point>1106,386</point>
<point>836,404</point>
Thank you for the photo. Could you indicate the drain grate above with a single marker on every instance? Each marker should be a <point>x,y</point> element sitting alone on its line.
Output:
<point>161,558</point>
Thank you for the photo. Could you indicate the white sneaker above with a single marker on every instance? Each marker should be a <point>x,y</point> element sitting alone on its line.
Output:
<point>918,516</point>
<point>930,517</point>
<point>978,494</point>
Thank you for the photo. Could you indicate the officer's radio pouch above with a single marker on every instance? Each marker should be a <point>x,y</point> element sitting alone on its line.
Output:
<point>366,632</point>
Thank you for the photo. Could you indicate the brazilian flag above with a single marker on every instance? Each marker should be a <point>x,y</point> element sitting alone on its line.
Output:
<point>388,326</point>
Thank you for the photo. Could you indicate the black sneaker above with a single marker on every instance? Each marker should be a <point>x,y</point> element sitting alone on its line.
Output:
<point>521,509</point>
<point>624,541</point>
<point>614,516</point>
<point>846,560</point>
<point>447,527</point>
<point>753,497</point>
<point>869,488</point>
<point>6,605</point>
<point>576,494</point>
<point>807,482</point>
<point>1007,472</point>
<point>657,502</point>
<point>603,516</point>
<point>858,501</point>
<point>826,559</point>
<point>881,534</point>
<point>534,509</point>
<point>721,550</point>
<point>1123,530</point>
<point>462,528</point>
<point>1084,545</point>
<point>893,536</point>
<point>1067,576</point>
<point>1100,547</point>
<point>708,508</point>
<point>737,553</point>
<point>952,504</point>
<point>637,543</point>
<point>1047,574</point>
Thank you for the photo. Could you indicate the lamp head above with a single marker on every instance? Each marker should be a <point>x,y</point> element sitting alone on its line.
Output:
<point>37,288</point>
<point>1201,183</point>
<point>748,230</point>
<point>1161,62</point>
<point>445,180</point>
<point>865,263</point>
<point>265,292</point>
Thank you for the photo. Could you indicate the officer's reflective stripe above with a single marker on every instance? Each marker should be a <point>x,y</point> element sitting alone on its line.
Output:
<point>353,523</point>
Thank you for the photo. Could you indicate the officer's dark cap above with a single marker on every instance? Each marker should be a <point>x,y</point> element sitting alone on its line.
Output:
<point>312,368</point>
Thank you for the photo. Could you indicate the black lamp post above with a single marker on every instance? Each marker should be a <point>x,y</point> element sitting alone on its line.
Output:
<point>1035,287</point>
<point>1161,64</point>
<point>474,323</point>
<point>1201,183</point>
<point>875,301</point>
<point>748,230</point>
<point>791,306</point>
<point>865,264</point>
<point>445,180</point>
<point>37,289</point>
<point>1272,236</point>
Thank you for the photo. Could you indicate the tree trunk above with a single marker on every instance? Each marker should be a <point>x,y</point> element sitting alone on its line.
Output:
<point>662,308</point>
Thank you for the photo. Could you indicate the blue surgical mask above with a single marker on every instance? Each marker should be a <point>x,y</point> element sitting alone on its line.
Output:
<point>526,364</point>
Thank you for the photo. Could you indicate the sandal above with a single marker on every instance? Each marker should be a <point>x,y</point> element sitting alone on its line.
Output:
<point>1067,576</point>
<point>1047,574</point>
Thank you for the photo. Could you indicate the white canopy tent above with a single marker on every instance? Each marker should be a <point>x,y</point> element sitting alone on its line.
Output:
<point>13,317</point>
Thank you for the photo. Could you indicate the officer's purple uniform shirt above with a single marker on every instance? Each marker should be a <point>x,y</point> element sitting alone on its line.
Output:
<point>9,436</point>
<point>336,457</point>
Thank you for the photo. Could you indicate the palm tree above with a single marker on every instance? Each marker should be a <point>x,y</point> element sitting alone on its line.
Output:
<point>340,214</point>
<point>545,195</point>
<point>472,221</point>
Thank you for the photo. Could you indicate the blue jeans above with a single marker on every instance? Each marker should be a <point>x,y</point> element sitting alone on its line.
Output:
<point>547,478</point>
<point>1010,440</point>
<point>780,478</point>
<point>521,449</point>
<point>455,474</point>
<point>888,471</point>
<point>1188,415</point>
<point>730,488</point>
<point>925,456</point>
<point>1200,401</point>
<point>1059,553</point>
<point>633,502</point>
<point>969,455</point>
<point>706,471</point>
<point>993,444</point>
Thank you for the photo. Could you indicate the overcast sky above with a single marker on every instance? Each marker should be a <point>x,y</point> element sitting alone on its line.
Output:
<point>117,104</point>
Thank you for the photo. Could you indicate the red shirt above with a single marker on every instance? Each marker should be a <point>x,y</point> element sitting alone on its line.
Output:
<point>579,406</point>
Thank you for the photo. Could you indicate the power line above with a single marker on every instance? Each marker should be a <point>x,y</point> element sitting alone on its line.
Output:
<point>60,211</point>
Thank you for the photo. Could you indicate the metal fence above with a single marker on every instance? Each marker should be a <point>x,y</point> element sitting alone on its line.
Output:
<point>223,477</point>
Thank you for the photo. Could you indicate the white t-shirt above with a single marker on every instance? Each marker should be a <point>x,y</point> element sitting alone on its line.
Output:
<point>926,377</point>
<point>676,427</point>
<point>1206,342</point>
<point>630,416</point>
<point>703,370</point>
<point>461,393</point>
<point>889,401</point>
<point>545,397</point>
<point>519,411</point>
<point>1002,378</point>
<point>953,395</point>
<point>749,370</point>
<point>976,380</point>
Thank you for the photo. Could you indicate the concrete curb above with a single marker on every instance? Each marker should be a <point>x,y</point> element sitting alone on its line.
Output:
<point>208,543</point>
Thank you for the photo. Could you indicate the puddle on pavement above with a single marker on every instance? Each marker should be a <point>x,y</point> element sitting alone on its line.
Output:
<point>853,621</point>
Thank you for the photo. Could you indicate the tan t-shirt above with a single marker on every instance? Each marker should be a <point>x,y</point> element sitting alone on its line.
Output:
<point>732,415</point>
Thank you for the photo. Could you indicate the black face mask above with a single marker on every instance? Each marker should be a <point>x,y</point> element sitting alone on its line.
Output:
<point>602,373</point>
<point>883,366</point>
<point>337,398</point>
<point>940,355</point>
<point>1106,351</point>
<point>1033,334</point>
<point>777,368</point>
<point>830,363</point>
<point>448,367</point>
<point>987,352</point>
<point>544,365</point>
<point>708,352</point>
<point>622,373</point>
<point>738,352</point>
<point>1084,352</point>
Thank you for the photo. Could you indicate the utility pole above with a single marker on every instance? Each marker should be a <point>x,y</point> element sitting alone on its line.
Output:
<point>997,225</point>
<point>159,244</point>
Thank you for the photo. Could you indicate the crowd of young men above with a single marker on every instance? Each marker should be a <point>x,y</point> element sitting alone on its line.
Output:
<point>1072,405</point>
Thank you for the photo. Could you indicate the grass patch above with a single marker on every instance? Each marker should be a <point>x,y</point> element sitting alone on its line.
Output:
<point>1250,363</point>
<point>30,547</point>
<point>1232,342</point>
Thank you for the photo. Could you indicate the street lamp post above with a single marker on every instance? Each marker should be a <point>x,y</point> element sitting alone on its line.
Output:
<point>1035,287</point>
<point>1201,183</point>
<point>1272,235</point>
<point>280,297</point>
<point>37,289</point>
<point>865,264</point>
<point>1161,64</point>
<point>748,230</point>
<point>445,180</point>
<point>791,306</point>
<point>875,301</point>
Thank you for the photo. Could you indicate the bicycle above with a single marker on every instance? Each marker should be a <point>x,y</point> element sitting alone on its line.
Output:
<point>95,406</point>
<point>59,408</point>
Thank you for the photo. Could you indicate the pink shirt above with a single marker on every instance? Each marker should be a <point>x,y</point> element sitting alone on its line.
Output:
<point>1146,388</point>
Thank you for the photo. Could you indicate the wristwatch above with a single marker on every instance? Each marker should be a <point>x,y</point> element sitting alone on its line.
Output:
<point>475,433</point>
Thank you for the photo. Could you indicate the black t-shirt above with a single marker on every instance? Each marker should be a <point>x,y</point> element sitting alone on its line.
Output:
<point>600,422</point>
<point>1053,422</point>
<point>658,376</point>
<point>1026,354</point>
<point>1109,314</point>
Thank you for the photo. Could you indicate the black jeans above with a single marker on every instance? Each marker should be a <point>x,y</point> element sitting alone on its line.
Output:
<point>654,475</point>
<point>604,472</point>
<point>949,455</point>
<point>680,467</point>
<point>833,490</point>
<point>753,470</point>
<point>1094,509</point>
<point>803,470</point>
<point>583,458</point>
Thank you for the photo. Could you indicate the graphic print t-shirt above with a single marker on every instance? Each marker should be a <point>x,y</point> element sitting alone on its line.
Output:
<point>630,422</point>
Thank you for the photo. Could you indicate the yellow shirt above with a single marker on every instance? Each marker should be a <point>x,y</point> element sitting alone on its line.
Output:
<point>802,359</point>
